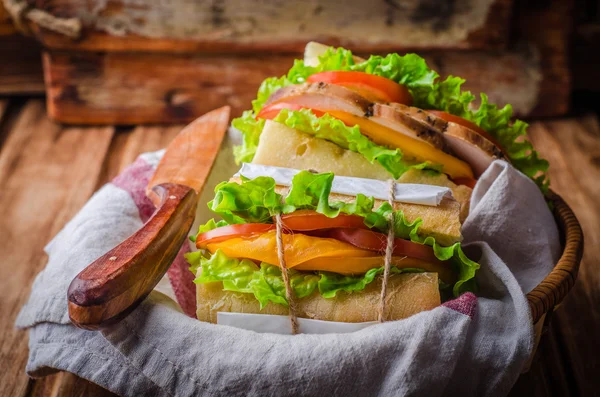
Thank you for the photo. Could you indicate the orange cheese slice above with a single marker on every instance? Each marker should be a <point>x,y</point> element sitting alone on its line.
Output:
<point>412,148</point>
<point>309,253</point>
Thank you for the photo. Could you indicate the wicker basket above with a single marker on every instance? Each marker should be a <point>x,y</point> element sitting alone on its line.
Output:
<point>553,289</point>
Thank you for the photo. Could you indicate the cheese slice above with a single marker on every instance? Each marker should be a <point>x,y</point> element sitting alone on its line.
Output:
<point>411,148</point>
<point>310,253</point>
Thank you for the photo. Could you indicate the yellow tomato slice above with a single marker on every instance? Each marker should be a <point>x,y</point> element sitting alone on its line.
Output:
<point>419,150</point>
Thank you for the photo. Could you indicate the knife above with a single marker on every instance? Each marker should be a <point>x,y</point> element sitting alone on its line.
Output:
<point>107,290</point>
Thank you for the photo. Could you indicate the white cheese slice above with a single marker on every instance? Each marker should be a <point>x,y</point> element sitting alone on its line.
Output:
<point>403,192</point>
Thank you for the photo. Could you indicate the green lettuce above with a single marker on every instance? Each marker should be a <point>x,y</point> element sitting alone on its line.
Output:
<point>257,203</point>
<point>252,201</point>
<point>428,92</point>
<point>251,128</point>
<point>332,283</point>
<point>265,282</point>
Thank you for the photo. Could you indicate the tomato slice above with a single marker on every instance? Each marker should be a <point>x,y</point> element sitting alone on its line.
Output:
<point>375,241</point>
<point>305,220</point>
<point>470,182</point>
<point>232,231</point>
<point>370,86</point>
<point>271,111</point>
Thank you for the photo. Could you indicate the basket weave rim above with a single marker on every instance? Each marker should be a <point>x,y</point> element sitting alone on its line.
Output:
<point>557,284</point>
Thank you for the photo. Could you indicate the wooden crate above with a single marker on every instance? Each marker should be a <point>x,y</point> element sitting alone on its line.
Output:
<point>130,66</point>
<point>283,25</point>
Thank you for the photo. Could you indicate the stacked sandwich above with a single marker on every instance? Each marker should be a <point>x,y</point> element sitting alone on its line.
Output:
<point>356,175</point>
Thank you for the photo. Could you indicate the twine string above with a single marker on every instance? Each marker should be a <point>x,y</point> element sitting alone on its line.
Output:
<point>289,293</point>
<point>389,250</point>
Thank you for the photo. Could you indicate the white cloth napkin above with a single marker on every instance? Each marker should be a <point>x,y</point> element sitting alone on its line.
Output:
<point>468,346</point>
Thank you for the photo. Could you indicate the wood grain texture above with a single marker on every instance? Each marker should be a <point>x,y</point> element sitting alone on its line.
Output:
<point>6,25</point>
<point>47,172</point>
<point>20,66</point>
<point>573,148</point>
<point>548,27</point>
<point>244,26</point>
<point>126,88</point>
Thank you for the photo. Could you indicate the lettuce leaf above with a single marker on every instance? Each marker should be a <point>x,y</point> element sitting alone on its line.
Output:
<point>264,282</point>
<point>332,283</point>
<point>252,201</point>
<point>251,129</point>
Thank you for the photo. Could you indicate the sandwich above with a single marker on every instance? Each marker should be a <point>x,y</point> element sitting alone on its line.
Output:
<point>355,178</point>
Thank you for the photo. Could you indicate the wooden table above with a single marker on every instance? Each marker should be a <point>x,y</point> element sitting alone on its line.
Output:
<point>48,171</point>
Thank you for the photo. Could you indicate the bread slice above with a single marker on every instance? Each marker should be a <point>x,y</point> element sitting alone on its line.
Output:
<point>461,193</point>
<point>282,146</point>
<point>407,294</point>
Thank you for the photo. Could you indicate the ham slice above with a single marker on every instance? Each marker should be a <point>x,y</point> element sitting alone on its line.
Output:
<point>467,144</point>
<point>332,98</point>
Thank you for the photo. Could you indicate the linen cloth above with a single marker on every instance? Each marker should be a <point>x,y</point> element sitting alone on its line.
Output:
<point>470,345</point>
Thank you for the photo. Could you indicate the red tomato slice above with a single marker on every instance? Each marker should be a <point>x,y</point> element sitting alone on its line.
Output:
<point>466,123</point>
<point>470,182</point>
<point>227,232</point>
<point>374,241</point>
<point>372,87</point>
<point>305,220</point>
<point>271,111</point>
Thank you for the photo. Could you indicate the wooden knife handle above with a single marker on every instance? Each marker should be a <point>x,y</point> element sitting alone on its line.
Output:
<point>112,286</point>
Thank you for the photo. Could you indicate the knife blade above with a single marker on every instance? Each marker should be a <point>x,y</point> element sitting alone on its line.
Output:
<point>108,289</point>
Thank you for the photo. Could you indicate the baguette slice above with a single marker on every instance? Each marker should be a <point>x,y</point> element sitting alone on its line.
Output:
<point>282,146</point>
<point>407,294</point>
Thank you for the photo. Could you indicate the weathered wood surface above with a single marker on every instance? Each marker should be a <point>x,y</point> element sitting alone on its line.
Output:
<point>6,25</point>
<point>129,88</point>
<point>175,84</point>
<point>240,25</point>
<point>47,172</point>
<point>20,65</point>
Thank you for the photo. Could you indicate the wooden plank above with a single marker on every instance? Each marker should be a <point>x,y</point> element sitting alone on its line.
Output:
<point>20,66</point>
<point>65,384</point>
<point>548,28</point>
<point>6,25</point>
<point>47,172</point>
<point>247,26</point>
<point>573,148</point>
<point>127,88</point>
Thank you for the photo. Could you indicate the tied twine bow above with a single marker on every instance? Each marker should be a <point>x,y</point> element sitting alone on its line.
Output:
<point>289,293</point>
<point>21,10</point>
